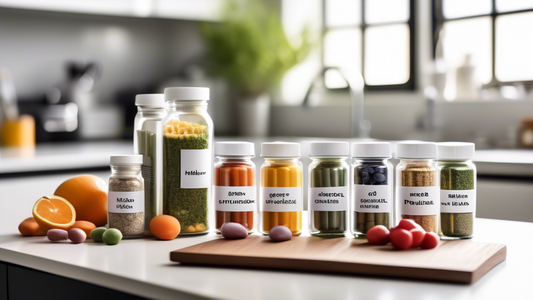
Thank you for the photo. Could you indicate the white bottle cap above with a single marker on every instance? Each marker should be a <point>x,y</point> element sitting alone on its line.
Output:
<point>186,93</point>
<point>456,150</point>
<point>150,100</point>
<point>371,149</point>
<point>330,149</point>
<point>280,149</point>
<point>128,159</point>
<point>234,149</point>
<point>416,149</point>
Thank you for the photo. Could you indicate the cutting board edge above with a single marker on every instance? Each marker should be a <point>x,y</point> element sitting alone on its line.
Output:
<point>497,258</point>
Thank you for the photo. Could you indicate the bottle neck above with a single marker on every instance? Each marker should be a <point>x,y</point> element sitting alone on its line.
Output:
<point>151,112</point>
<point>126,170</point>
<point>283,160</point>
<point>187,106</point>
<point>328,159</point>
<point>371,160</point>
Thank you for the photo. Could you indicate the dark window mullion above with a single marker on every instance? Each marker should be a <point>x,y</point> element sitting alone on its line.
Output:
<point>493,19</point>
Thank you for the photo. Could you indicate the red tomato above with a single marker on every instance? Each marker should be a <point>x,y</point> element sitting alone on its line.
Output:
<point>408,224</point>
<point>401,238</point>
<point>378,235</point>
<point>431,240</point>
<point>418,237</point>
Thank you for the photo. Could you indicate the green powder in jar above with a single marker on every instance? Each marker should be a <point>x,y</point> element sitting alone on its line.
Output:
<point>457,176</point>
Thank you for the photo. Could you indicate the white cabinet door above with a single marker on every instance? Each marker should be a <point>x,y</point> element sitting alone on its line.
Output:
<point>505,199</point>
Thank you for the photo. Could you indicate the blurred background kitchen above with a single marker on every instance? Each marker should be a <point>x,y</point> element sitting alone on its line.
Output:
<point>440,70</point>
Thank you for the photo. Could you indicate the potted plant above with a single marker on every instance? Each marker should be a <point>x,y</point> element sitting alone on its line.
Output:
<point>250,50</point>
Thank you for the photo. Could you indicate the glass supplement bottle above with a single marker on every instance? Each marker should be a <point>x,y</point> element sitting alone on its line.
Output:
<point>187,158</point>
<point>234,188</point>
<point>372,186</point>
<point>125,199</point>
<point>458,190</point>
<point>328,188</point>
<point>281,201</point>
<point>148,141</point>
<point>417,183</point>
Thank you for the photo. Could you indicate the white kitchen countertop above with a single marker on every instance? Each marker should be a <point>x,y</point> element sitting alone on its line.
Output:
<point>142,266</point>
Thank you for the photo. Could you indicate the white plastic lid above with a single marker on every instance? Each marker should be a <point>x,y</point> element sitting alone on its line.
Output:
<point>329,149</point>
<point>416,149</point>
<point>187,93</point>
<point>128,159</point>
<point>234,149</point>
<point>371,149</point>
<point>150,100</point>
<point>280,149</point>
<point>456,150</point>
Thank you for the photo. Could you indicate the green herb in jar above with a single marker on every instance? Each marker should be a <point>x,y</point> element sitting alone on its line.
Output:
<point>457,176</point>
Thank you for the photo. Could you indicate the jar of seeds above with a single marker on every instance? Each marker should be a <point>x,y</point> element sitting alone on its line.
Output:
<point>372,186</point>
<point>458,190</point>
<point>126,195</point>
<point>417,183</point>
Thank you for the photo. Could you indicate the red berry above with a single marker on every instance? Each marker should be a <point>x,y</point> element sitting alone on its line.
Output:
<point>378,235</point>
<point>431,240</point>
<point>418,237</point>
<point>401,238</point>
<point>408,224</point>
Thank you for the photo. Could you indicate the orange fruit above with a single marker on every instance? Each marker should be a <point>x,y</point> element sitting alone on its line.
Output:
<point>86,226</point>
<point>52,212</point>
<point>165,227</point>
<point>29,227</point>
<point>88,195</point>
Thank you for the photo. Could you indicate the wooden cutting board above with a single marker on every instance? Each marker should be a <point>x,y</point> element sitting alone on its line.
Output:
<point>456,261</point>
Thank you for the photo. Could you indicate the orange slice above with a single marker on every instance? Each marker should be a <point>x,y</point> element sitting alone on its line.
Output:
<point>54,212</point>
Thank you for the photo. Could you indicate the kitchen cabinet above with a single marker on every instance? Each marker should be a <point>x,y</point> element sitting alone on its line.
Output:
<point>505,199</point>
<point>3,281</point>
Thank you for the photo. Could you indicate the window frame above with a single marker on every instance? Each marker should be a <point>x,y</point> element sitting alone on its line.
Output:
<point>438,21</point>
<point>411,83</point>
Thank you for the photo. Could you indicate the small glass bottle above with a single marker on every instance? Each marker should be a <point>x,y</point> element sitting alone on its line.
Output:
<point>281,196</point>
<point>458,178</point>
<point>148,141</point>
<point>234,188</point>
<point>328,191</point>
<point>125,199</point>
<point>187,158</point>
<point>372,186</point>
<point>418,183</point>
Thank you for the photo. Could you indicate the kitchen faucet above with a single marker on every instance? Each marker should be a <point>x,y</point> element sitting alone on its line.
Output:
<point>359,126</point>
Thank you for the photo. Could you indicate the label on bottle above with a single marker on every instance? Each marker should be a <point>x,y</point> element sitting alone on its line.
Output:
<point>281,199</point>
<point>419,200</point>
<point>457,201</point>
<point>235,198</point>
<point>195,169</point>
<point>372,198</point>
<point>125,202</point>
<point>328,198</point>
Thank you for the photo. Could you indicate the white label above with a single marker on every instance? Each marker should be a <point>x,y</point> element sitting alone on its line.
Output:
<point>125,202</point>
<point>372,198</point>
<point>420,200</point>
<point>281,199</point>
<point>460,201</point>
<point>235,198</point>
<point>328,198</point>
<point>195,169</point>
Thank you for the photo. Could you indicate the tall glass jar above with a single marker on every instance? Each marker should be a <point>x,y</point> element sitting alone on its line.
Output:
<point>187,158</point>
<point>281,196</point>
<point>234,188</point>
<point>372,186</point>
<point>458,178</point>
<point>125,198</point>
<point>418,183</point>
<point>148,141</point>
<point>328,191</point>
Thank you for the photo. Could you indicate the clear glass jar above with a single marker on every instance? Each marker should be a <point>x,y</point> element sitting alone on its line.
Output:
<point>126,195</point>
<point>458,179</point>
<point>328,190</point>
<point>281,196</point>
<point>372,186</point>
<point>187,158</point>
<point>234,188</point>
<point>418,184</point>
<point>148,141</point>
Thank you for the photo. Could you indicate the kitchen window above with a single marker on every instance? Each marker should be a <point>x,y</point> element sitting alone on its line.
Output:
<point>494,32</point>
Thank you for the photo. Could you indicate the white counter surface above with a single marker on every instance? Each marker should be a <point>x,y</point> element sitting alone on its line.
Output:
<point>142,266</point>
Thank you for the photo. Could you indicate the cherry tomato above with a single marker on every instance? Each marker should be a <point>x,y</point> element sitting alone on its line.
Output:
<point>378,235</point>
<point>431,240</point>
<point>418,237</point>
<point>408,224</point>
<point>401,238</point>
